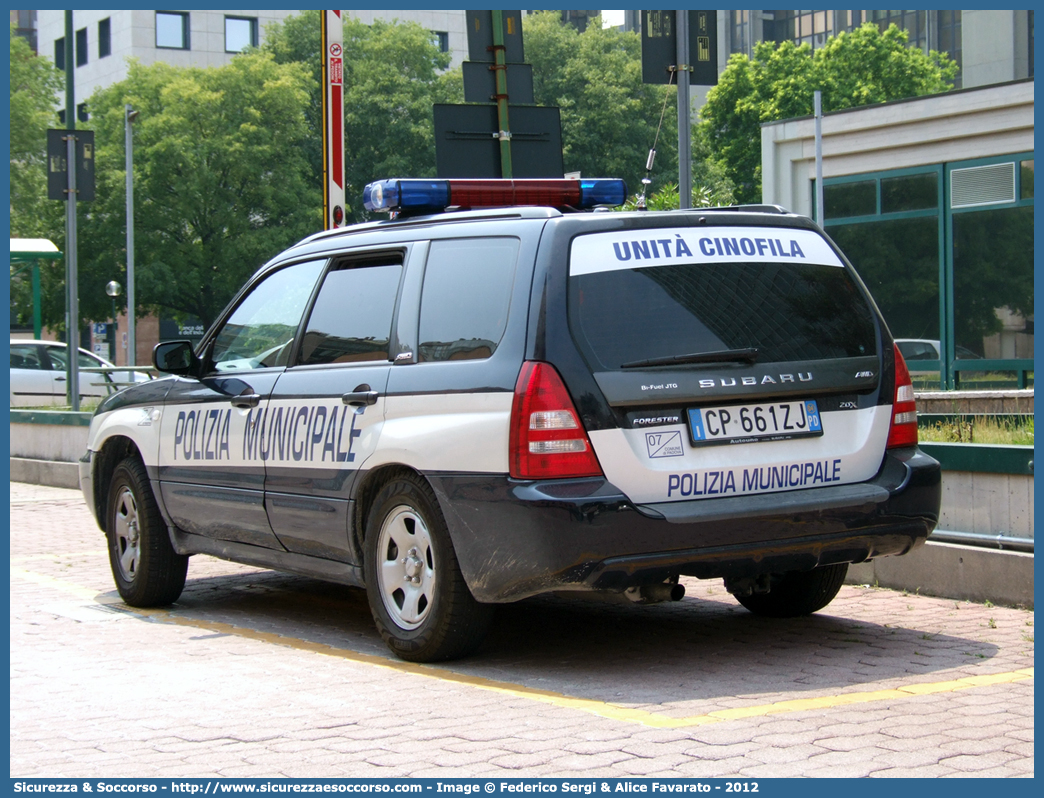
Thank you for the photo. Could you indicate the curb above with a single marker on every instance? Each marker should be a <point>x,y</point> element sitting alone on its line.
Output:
<point>950,570</point>
<point>45,472</point>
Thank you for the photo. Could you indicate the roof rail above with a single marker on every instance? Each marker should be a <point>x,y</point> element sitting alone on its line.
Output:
<point>746,209</point>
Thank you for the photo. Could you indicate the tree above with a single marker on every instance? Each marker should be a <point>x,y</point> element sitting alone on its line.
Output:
<point>609,117</point>
<point>392,77</point>
<point>855,68</point>
<point>222,181</point>
<point>34,86</point>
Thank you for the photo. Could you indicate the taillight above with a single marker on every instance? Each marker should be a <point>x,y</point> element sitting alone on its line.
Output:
<point>903,431</point>
<point>547,439</point>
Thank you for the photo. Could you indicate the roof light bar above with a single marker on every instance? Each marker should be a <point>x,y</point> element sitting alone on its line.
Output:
<point>437,195</point>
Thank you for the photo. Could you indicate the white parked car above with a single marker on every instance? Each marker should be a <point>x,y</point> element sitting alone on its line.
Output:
<point>38,374</point>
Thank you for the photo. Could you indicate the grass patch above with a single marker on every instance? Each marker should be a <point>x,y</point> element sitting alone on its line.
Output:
<point>1017,430</point>
<point>86,406</point>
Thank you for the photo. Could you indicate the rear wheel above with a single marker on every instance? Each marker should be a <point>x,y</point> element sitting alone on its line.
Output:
<point>417,594</point>
<point>146,569</point>
<point>797,592</point>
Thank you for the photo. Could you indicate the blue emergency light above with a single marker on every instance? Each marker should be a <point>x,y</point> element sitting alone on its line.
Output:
<point>429,196</point>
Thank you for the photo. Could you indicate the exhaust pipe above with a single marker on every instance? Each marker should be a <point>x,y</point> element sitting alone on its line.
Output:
<point>653,594</point>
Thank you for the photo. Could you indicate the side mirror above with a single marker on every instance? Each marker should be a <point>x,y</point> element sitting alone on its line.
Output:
<point>176,357</point>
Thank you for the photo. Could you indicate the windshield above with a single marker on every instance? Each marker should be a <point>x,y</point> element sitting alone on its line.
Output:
<point>787,311</point>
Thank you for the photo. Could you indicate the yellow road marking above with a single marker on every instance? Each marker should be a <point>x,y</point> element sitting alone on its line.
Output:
<point>591,706</point>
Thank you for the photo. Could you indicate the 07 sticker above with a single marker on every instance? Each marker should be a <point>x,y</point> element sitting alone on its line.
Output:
<point>664,444</point>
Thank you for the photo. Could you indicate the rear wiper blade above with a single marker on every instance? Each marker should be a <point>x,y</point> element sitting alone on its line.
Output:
<point>747,355</point>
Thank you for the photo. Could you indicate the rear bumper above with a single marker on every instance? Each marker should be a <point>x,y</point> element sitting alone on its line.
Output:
<point>516,539</point>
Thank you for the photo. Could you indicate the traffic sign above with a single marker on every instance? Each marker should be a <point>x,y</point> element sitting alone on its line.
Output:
<point>58,164</point>
<point>467,142</point>
<point>660,47</point>
<point>480,36</point>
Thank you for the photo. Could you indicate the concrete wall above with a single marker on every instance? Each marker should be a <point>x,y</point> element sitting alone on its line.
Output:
<point>34,437</point>
<point>988,504</point>
<point>956,126</point>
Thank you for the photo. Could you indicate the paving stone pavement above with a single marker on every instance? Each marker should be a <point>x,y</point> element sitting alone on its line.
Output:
<point>258,674</point>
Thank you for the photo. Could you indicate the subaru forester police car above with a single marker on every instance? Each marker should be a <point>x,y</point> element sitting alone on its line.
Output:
<point>494,394</point>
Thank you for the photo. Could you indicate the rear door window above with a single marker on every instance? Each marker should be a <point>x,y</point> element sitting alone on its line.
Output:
<point>651,294</point>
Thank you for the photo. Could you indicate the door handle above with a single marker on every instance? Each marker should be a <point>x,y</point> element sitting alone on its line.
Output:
<point>59,379</point>
<point>362,396</point>
<point>246,400</point>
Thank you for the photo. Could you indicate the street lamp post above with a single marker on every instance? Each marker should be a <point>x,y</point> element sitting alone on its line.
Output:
<point>112,288</point>
<point>129,116</point>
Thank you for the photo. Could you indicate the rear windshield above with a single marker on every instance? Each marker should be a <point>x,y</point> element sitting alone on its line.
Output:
<point>788,311</point>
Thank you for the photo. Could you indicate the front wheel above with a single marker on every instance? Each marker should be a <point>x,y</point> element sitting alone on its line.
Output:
<point>797,593</point>
<point>417,594</point>
<point>146,569</point>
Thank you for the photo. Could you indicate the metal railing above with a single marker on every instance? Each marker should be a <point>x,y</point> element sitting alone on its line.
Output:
<point>115,385</point>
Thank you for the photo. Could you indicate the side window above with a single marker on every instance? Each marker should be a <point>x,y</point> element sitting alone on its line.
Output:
<point>260,332</point>
<point>26,357</point>
<point>352,318</point>
<point>467,291</point>
<point>57,356</point>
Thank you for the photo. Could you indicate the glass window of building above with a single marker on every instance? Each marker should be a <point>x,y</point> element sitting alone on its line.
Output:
<point>739,32</point>
<point>172,30</point>
<point>965,229</point>
<point>850,199</point>
<point>950,39</point>
<point>1030,31</point>
<point>105,37</point>
<point>801,27</point>
<point>913,22</point>
<point>909,193</point>
<point>993,281</point>
<point>59,53</point>
<point>898,260</point>
<point>240,33</point>
<point>441,39</point>
<point>81,47</point>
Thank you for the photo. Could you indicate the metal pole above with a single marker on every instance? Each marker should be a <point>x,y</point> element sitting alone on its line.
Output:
<point>819,157</point>
<point>500,75</point>
<point>684,112</point>
<point>132,351</point>
<point>72,305</point>
<point>37,322</point>
<point>73,329</point>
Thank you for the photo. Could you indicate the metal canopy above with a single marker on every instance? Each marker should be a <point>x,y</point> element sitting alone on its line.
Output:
<point>30,249</point>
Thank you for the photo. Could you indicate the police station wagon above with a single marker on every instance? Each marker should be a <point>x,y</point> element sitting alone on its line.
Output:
<point>491,395</point>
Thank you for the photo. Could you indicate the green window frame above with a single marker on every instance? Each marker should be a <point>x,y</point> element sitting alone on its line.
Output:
<point>1022,366</point>
<point>949,366</point>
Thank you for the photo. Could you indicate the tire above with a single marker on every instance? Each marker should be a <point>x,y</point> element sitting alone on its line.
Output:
<point>797,593</point>
<point>419,600</point>
<point>146,569</point>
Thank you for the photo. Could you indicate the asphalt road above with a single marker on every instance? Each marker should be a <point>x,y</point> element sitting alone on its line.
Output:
<point>255,673</point>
